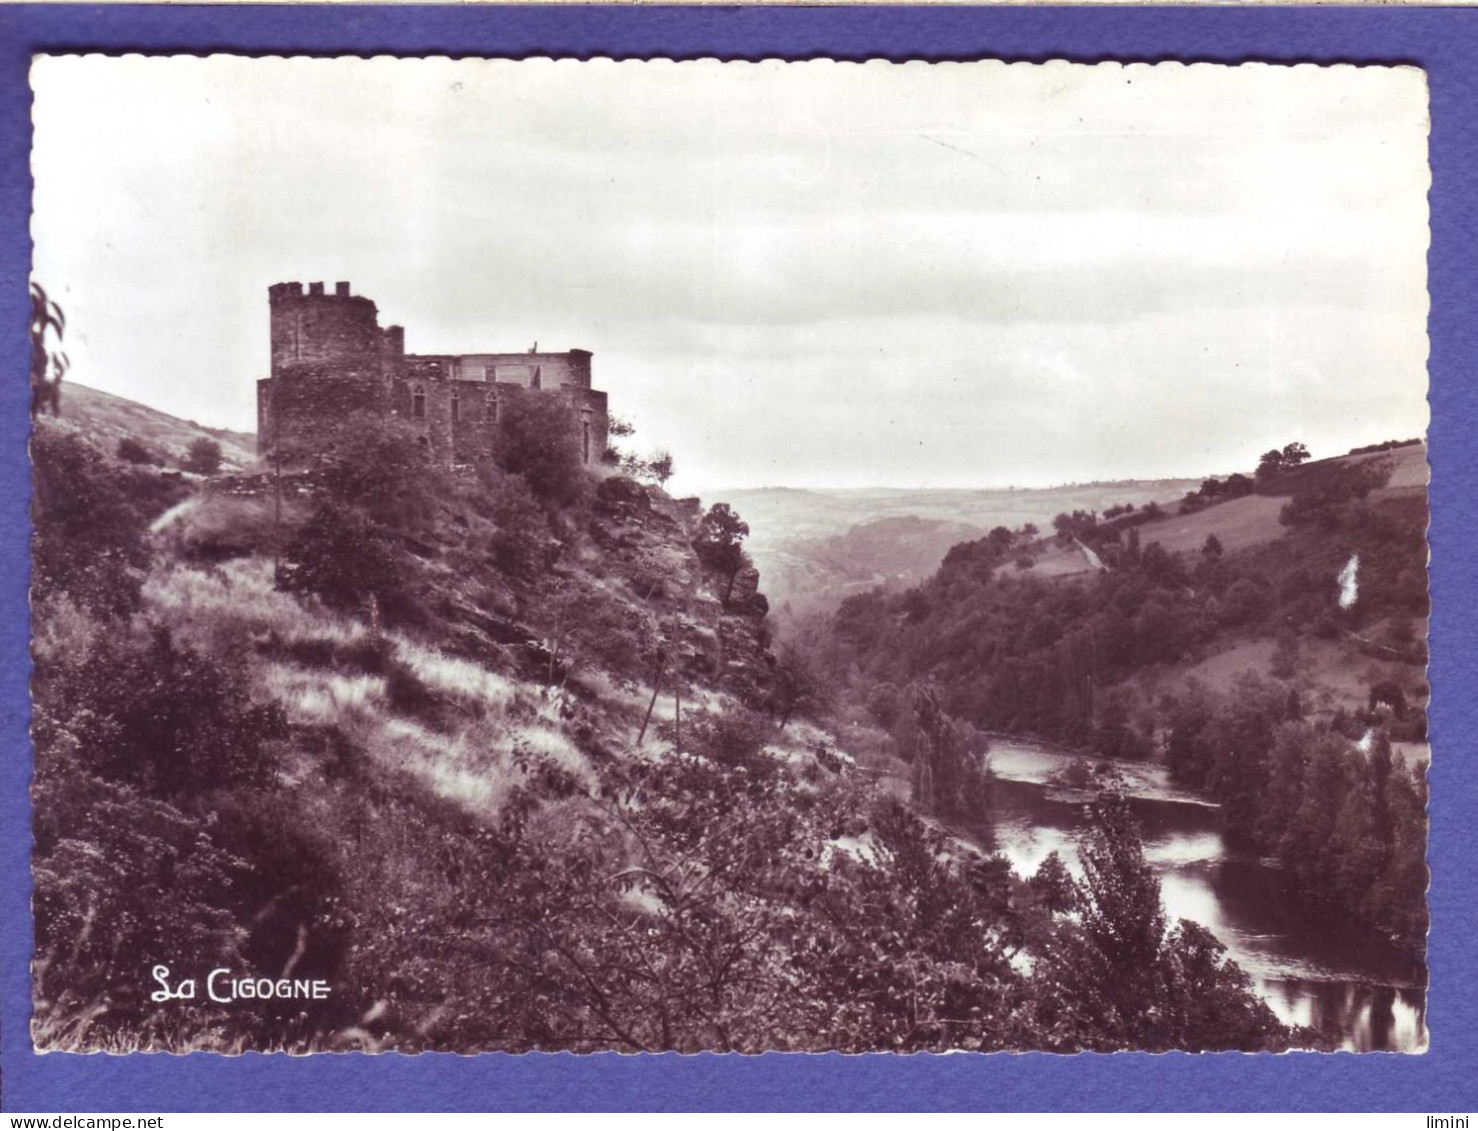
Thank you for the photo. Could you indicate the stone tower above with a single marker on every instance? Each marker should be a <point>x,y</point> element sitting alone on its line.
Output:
<point>329,368</point>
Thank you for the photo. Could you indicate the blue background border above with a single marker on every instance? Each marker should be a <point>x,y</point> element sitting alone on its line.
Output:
<point>1442,41</point>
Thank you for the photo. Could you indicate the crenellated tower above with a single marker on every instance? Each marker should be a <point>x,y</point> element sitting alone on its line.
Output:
<point>329,368</point>
<point>315,326</point>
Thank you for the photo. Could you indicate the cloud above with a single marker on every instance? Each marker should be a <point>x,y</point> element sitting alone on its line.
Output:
<point>815,273</point>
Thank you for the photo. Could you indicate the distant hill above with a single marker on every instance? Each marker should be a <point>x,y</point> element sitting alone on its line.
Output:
<point>104,419</point>
<point>816,547</point>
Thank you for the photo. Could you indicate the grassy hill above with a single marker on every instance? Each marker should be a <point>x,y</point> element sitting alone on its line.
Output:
<point>103,419</point>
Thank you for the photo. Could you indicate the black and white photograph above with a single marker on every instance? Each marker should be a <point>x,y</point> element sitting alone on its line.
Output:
<point>588,555</point>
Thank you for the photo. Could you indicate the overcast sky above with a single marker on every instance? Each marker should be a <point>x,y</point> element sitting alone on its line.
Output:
<point>790,274</point>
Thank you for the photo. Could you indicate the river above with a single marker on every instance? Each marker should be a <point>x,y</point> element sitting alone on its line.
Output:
<point>1312,965</point>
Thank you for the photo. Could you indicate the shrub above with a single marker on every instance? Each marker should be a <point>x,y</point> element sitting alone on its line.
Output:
<point>735,738</point>
<point>522,545</point>
<point>159,716</point>
<point>408,694</point>
<point>122,881</point>
<point>133,451</point>
<point>347,561</point>
<point>284,887</point>
<point>1245,601</point>
<point>387,476</point>
<point>90,519</point>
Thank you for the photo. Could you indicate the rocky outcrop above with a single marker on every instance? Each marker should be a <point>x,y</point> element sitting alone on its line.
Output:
<point>644,539</point>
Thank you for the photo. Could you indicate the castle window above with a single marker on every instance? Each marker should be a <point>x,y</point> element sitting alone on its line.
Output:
<point>490,409</point>
<point>456,406</point>
<point>418,403</point>
<point>585,440</point>
<point>516,375</point>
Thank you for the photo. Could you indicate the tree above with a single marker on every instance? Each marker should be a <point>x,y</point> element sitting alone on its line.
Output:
<point>951,776</point>
<point>720,542</point>
<point>1053,885</point>
<point>385,474</point>
<point>1127,979</point>
<point>1120,896</point>
<point>1245,601</point>
<point>1276,460</point>
<point>1211,549</point>
<point>47,366</point>
<point>660,466</point>
<point>658,469</point>
<point>1294,454</point>
<point>204,457</point>
<point>1285,655</point>
<point>1238,484</point>
<point>539,439</point>
<point>800,684</point>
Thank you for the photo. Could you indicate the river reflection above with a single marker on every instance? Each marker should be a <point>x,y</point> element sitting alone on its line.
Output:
<point>1314,967</point>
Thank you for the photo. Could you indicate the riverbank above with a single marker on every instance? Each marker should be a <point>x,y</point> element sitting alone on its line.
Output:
<point>1314,965</point>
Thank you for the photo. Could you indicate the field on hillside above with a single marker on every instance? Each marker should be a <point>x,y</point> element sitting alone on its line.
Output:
<point>1336,670</point>
<point>105,419</point>
<point>1409,469</point>
<point>1251,520</point>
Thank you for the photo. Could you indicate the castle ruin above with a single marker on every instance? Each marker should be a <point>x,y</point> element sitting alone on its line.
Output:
<point>335,370</point>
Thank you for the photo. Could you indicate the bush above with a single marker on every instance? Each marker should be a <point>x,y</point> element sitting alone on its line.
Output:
<point>133,451</point>
<point>387,476</point>
<point>522,544</point>
<point>159,716</point>
<point>90,519</point>
<point>1245,602</point>
<point>349,563</point>
<point>735,738</point>
<point>122,881</point>
<point>408,695</point>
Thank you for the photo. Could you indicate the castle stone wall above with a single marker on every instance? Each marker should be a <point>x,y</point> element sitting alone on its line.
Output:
<point>311,408</point>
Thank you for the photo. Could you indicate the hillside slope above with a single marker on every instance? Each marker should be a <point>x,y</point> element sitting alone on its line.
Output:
<point>103,419</point>
<point>504,762</point>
